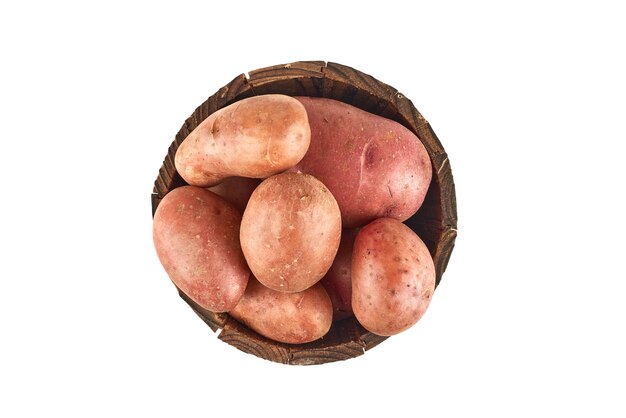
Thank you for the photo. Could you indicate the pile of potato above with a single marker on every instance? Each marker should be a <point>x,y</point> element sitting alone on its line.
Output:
<point>293,218</point>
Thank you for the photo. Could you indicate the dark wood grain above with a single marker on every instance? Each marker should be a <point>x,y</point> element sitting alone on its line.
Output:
<point>214,320</point>
<point>296,79</point>
<point>239,336</point>
<point>345,340</point>
<point>435,222</point>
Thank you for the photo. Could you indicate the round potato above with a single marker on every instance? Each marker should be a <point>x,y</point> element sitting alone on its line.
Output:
<point>393,277</point>
<point>338,279</point>
<point>254,137</point>
<point>374,166</point>
<point>236,190</point>
<point>290,231</point>
<point>292,318</point>
<point>196,235</point>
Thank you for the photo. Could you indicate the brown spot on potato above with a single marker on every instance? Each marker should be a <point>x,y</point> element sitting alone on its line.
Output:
<point>370,156</point>
<point>215,128</point>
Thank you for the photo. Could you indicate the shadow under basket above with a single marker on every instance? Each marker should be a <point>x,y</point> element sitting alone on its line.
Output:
<point>435,222</point>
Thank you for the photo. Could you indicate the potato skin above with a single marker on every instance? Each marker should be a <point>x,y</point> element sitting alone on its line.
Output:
<point>292,318</point>
<point>196,236</point>
<point>374,166</point>
<point>236,190</point>
<point>290,231</point>
<point>254,137</point>
<point>338,279</point>
<point>393,277</point>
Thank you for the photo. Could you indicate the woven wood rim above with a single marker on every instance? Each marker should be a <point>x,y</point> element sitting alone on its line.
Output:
<point>435,222</point>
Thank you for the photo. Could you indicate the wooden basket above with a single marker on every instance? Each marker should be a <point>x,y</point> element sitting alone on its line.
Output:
<point>435,222</point>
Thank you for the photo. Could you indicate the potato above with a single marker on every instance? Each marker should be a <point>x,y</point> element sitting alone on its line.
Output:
<point>254,137</point>
<point>292,318</point>
<point>393,277</point>
<point>196,235</point>
<point>338,279</point>
<point>374,166</point>
<point>290,231</point>
<point>236,190</point>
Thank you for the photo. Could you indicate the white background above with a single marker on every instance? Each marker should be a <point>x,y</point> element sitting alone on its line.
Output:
<point>529,101</point>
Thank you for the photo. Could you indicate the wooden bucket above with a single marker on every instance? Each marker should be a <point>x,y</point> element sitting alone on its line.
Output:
<point>435,222</point>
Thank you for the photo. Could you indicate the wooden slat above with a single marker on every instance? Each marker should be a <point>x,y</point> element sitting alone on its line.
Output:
<point>214,320</point>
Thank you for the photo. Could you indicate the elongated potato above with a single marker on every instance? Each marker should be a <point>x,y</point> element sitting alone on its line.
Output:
<point>338,279</point>
<point>292,318</point>
<point>290,231</point>
<point>196,235</point>
<point>374,166</point>
<point>236,190</point>
<point>254,137</point>
<point>393,277</point>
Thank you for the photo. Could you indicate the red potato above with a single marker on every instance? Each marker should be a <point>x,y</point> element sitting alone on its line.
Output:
<point>338,279</point>
<point>254,137</point>
<point>393,277</point>
<point>290,231</point>
<point>292,318</point>
<point>196,236</point>
<point>374,166</point>
<point>236,190</point>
